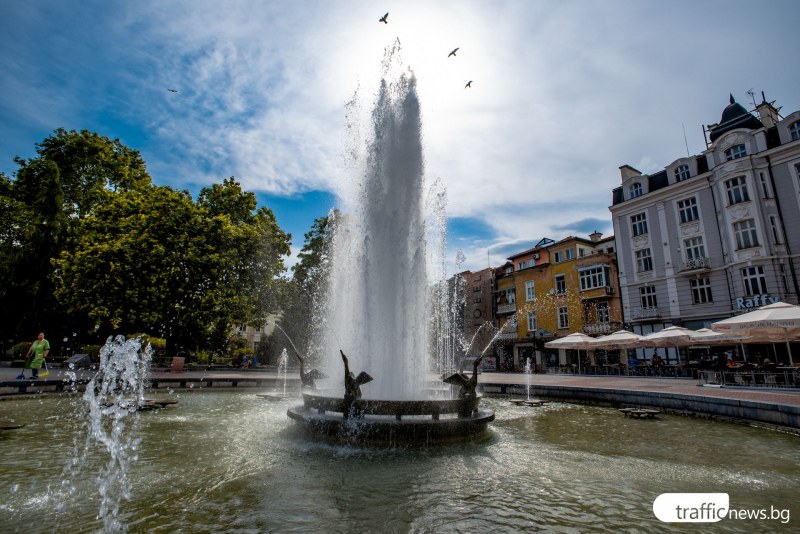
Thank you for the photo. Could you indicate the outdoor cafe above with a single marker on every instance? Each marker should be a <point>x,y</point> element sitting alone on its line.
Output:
<point>756,349</point>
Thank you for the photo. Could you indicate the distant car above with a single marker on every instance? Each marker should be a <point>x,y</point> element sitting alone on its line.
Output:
<point>80,361</point>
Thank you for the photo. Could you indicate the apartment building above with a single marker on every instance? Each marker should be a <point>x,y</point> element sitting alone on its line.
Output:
<point>715,234</point>
<point>552,290</point>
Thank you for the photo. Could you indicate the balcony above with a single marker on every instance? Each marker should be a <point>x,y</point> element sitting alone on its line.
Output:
<point>508,336</point>
<point>601,328</point>
<point>506,308</point>
<point>695,264</point>
<point>646,313</point>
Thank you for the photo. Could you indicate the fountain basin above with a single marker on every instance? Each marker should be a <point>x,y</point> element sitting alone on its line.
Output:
<point>390,422</point>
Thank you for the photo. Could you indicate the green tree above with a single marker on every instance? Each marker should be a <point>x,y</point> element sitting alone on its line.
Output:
<point>155,261</point>
<point>72,173</point>
<point>303,310</point>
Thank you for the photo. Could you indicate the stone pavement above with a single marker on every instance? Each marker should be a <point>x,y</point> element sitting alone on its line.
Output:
<point>773,406</point>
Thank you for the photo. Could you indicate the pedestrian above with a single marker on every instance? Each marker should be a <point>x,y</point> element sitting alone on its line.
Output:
<point>36,354</point>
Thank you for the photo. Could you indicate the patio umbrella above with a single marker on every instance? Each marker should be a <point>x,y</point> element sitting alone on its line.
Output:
<point>773,323</point>
<point>621,339</point>
<point>673,336</point>
<point>574,341</point>
<point>706,336</point>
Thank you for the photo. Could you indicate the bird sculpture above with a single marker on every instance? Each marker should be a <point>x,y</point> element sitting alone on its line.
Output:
<point>469,84</point>
<point>383,19</point>
<point>467,387</point>
<point>453,53</point>
<point>352,388</point>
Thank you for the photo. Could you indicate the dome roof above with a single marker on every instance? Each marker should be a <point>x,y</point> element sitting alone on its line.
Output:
<point>733,111</point>
<point>734,116</point>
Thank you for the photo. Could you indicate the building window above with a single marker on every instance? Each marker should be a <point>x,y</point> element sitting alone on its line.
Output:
<point>509,269</point>
<point>764,186</point>
<point>594,277</point>
<point>794,130</point>
<point>563,317</point>
<point>648,296</point>
<point>256,344</point>
<point>694,248</point>
<point>682,173</point>
<point>776,229</point>
<point>644,261</point>
<point>531,321</point>
<point>561,284</point>
<point>521,266</point>
<point>688,210</point>
<point>241,329</point>
<point>737,190</point>
<point>639,224</point>
<point>701,290</point>
<point>530,291</point>
<point>603,313</point>
<point>784,278</point>
<point>745,232</point>
<point>755,283</point>
<point>511,296</point>
<point>570,253</point>
<point>558,257</point>
<point>636,190</point>
<point>735,152</point>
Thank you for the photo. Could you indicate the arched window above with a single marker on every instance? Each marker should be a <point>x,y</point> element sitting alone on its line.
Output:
<point>794,130</point>
<point>682,173</point>
<point>735,152</point>
<point>635,190</point>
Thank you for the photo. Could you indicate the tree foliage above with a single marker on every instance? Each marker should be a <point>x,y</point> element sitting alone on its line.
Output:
<point>89,244</point>
<point>304,308</point>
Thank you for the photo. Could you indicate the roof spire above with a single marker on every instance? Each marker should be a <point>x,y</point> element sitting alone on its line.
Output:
<point>732,100</point>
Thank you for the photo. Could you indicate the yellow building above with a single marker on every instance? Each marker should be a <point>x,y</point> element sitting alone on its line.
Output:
<point>552,290</point>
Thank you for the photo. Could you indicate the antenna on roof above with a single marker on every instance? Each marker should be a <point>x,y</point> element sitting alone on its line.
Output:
<point>684,140</point>
<point>752,97</point>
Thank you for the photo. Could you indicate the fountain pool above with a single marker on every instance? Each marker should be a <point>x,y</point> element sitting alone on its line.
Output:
<point>227,460</point>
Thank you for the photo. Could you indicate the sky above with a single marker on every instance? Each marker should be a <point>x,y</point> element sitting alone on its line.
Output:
<point>563,93</point>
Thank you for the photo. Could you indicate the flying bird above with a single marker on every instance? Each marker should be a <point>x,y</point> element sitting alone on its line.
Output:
<point>453,53</point>
<point>469,84</point>
<point>383,19</point>
<point>172,90</point>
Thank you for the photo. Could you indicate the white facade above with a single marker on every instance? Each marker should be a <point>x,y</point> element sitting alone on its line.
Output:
<point>713,235</point>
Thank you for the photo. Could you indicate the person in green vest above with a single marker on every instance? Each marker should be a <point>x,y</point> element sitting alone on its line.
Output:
<point>37,353</point>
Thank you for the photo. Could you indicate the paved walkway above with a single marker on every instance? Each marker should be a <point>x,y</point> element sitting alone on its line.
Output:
<point>677,386</point>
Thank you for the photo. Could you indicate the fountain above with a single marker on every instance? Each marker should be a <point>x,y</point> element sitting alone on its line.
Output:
<point>283,377</point>
<point>379,296</point>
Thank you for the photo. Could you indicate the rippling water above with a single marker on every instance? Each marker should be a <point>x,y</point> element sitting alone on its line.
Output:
<point>230,461</point>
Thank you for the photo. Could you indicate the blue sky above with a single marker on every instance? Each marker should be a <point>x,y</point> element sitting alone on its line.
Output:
<point>563,94</point>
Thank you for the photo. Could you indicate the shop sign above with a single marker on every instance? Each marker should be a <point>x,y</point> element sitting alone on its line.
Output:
<point>744,303</point>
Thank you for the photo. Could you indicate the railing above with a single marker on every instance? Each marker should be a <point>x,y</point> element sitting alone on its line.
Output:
<point>506,308</point>
<point>601,328</point>
<point>512,335</point>
<point>644,313</point>
<point>696,263</point>
<point>769,379</point>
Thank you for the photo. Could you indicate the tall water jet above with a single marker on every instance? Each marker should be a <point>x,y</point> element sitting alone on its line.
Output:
<point>381,299</point>
<point>379,284</point>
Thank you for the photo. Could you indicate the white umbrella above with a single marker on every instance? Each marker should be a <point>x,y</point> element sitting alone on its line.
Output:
<point>574,341</point>
<point>673,336</point>
<point>621,339</point>
<point>772,323</point>
<point>706,336</point>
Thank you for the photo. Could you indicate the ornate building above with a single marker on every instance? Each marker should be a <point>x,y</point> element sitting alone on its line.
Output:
<point>715,234</point>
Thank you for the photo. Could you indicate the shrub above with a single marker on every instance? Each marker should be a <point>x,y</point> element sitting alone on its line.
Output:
<point>92,350</point>
<point>18,351</point>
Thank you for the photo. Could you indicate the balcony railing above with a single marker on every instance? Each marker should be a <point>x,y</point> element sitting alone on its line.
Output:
<point>646,313</point>
<point>601,328</point>
<point>510,335</point>
<point>696,263</point>
<point>506,308</point>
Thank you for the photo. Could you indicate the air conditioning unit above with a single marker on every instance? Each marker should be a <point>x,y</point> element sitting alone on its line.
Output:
<point>609,289</point>
<point>536,256</point>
